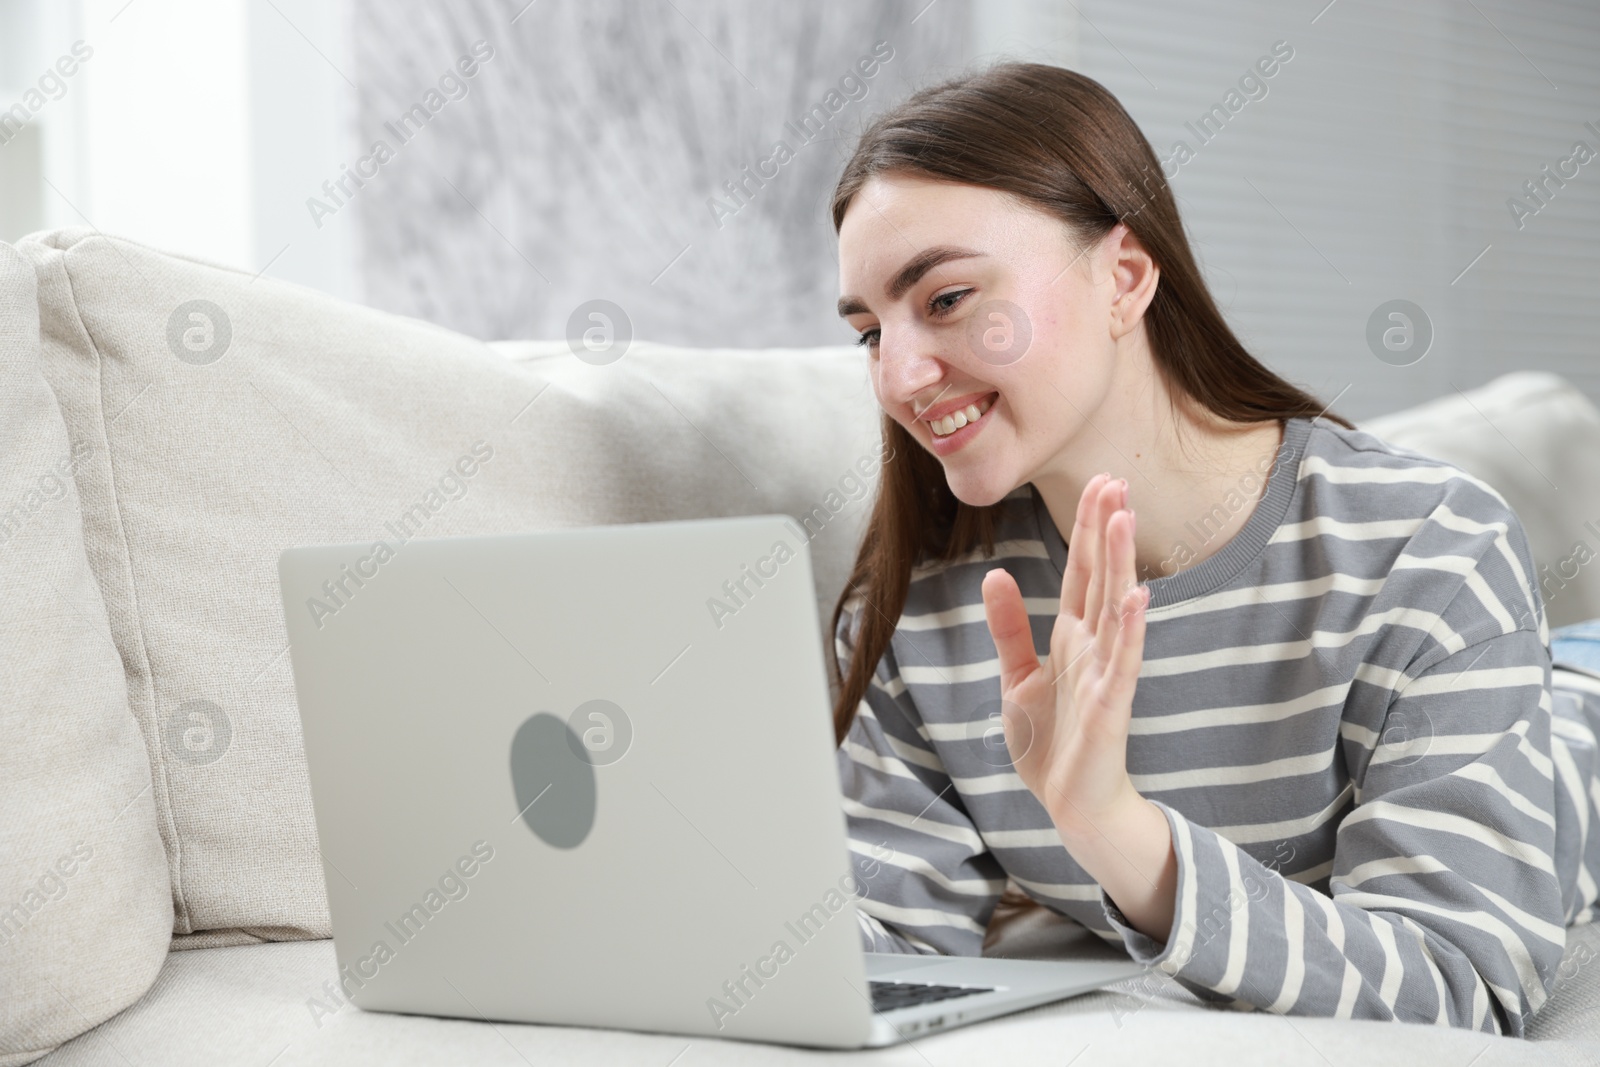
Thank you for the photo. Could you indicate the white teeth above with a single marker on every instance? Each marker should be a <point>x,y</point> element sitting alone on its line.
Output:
<point>957,419</point>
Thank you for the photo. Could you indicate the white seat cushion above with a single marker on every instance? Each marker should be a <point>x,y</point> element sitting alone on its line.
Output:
<point>254,1005</point>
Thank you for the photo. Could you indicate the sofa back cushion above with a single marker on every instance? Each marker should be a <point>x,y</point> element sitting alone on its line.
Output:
<point>231,417</point>
<point>1535,437</point>
<point>85,906</point>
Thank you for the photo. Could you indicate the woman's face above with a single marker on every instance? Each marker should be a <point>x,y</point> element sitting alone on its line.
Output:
<point>972,301</point>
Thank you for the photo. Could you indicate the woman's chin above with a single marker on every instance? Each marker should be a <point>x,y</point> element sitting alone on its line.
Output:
<point>978,489</point>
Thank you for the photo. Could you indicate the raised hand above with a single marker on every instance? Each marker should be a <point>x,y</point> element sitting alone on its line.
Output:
<point>1066,718</point>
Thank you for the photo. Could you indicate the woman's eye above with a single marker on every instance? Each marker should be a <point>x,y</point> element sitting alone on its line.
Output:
<point>942,304</point>
<point>937,306</point>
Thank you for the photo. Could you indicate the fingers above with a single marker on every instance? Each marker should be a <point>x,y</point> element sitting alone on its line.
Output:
<point>1080,562</point>
<point>1009,627</point>
<point>1123,595</point>
<point>1107,500</point>
<point>1127,650</point>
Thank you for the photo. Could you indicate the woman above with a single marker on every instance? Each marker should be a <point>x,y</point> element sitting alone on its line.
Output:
<point>1318,760</point>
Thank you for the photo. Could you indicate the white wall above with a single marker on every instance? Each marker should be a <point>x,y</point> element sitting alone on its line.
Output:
<point>196,125</point>
<point>300,135</point>
<point>34,36</point>
<point>167,155</point>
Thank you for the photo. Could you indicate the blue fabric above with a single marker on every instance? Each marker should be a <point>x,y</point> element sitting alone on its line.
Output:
<point>1577,645</point>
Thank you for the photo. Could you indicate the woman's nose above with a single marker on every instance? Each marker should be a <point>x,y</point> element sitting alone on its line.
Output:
<point>905,370</point>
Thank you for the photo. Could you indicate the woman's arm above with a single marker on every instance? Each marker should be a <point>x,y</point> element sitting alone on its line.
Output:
<point>1445,905</point>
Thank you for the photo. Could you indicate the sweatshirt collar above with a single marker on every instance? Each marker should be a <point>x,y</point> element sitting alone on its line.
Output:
<point>1246,545</point>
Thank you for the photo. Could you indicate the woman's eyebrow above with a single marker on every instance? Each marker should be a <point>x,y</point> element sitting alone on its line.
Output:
<point>909,275</point>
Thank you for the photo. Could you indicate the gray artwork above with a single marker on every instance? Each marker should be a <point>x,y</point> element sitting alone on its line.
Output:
<point>617,152</point>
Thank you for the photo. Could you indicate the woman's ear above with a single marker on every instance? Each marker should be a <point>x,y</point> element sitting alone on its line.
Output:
<point>1135,275</point>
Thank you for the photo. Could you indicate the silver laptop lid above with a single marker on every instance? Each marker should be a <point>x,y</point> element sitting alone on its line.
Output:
<point>582,776</point>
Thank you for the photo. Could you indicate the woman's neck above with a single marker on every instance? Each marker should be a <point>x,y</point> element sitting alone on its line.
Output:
<point>1191,499</point>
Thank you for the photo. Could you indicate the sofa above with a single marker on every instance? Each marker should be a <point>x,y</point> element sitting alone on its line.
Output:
<point>171,424</point>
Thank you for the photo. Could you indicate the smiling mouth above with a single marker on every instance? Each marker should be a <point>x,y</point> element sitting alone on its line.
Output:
<point>949,424</point>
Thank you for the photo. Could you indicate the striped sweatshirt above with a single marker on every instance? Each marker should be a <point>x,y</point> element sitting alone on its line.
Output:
<point>1380,789</point>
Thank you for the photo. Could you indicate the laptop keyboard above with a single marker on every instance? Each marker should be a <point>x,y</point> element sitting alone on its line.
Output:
<point>888,996</point>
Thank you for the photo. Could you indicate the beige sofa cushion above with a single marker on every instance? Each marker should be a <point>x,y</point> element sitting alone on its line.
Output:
<point>264,1000</point>
<point>1535,437</point>
<point>232,417</point>
<point>85,912</point>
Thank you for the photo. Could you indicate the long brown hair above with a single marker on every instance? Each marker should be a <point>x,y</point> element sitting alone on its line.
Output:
<point>1062,142</point>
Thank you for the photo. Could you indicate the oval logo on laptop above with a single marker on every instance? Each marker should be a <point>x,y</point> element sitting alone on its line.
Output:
<point>553,780</point>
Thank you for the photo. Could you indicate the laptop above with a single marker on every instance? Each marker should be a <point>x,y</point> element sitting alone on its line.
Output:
<point>587,777</point>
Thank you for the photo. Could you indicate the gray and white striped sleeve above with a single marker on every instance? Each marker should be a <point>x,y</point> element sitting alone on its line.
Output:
<point>935,884</point>
<point>1445,904</point>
